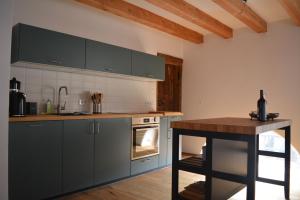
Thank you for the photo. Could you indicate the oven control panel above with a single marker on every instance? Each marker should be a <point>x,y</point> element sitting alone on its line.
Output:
<point>145,120</point>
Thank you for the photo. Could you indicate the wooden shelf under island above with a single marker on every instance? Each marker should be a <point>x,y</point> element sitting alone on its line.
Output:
<point>194,191</point>
<point>194,164</point>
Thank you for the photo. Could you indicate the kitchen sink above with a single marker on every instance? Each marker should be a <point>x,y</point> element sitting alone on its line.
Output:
<point>73,114</point>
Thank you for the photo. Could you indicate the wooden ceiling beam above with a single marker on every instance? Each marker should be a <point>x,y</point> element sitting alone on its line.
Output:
<point>244,13</point>
<point>194,15</point>
<point>293,9</point>
<point>140,15</point>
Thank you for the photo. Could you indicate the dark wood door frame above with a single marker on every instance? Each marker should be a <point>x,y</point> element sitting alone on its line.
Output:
<point>176,62</point>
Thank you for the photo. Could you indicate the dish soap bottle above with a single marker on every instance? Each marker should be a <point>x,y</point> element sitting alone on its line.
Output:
<point>48,107</point>
<point>261,107</point>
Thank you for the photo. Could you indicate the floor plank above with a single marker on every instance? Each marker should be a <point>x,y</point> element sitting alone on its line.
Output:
<point>157,185</point>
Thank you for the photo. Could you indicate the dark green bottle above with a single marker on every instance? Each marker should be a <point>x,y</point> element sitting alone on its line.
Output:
<point>261,107</point>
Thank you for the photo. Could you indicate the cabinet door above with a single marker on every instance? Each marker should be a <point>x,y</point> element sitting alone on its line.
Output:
<point>35,152</point>
<point>147,65</point>
<point>112,149</point>
<point>39,45</point>
<point>78,154</point>
<point>107,58</point>
<point>170,138</point>
<point>163,141</point>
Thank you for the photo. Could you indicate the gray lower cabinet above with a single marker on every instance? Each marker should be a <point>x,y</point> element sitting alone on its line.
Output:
<point>166,140</point>
<point>163,142</point>
<point>107,58</point>
<point>147,65</point>
<point>35,160</point>
<point>112,149</point>
<point>144,164</point>
<point>78,154</point>
<point>37,45</point>
<point>170,138</point>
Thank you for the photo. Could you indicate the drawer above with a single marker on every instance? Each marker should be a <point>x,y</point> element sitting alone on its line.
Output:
<point>144,164</point>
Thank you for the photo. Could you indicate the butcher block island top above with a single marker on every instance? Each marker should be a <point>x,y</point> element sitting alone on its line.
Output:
<point>231,125</point>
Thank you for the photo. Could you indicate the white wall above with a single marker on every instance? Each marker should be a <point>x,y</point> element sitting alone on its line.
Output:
<point>74,18</point>
<point>5,33</point>
<point>223,77</point>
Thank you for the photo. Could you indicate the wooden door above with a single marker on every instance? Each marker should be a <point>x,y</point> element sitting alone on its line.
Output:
<point>169,91</point>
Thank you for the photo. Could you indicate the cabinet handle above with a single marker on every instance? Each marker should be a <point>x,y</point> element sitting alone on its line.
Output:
<point>35,125</point>
<point>149,75</point>
<point>108,69</point>
<point>55,61</point>
<point>98,128</point>
<point>146,160</point>
<point>92,128</point>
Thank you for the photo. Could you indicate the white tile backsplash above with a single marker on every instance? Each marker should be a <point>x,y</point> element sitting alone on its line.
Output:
<point>119,95</point>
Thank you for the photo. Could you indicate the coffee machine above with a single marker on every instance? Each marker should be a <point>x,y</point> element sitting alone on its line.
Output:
<point>17,99</point>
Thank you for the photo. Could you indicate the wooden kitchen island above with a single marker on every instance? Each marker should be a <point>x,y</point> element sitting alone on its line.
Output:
<point>232,154</point>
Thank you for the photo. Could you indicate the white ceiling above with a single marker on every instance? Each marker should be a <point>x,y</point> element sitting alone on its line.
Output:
<point>269,10</point>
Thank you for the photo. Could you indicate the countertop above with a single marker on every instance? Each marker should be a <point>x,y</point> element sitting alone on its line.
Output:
<point>91,116</point>
<point>231,125</point>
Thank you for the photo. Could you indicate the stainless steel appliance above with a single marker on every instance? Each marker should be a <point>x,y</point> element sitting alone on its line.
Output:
<point>145,137</point>
<point>17,99</point>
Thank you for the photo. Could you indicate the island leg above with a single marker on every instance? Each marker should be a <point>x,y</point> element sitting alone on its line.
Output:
<point>208,177</point>
<point>175,157</point>
<point>287,161</point>
<point>251,167</point>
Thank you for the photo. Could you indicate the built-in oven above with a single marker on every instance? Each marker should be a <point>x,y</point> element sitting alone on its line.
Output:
<point>145,137</point>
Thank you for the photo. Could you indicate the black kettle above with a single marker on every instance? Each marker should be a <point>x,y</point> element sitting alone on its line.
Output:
<point>17,99</point>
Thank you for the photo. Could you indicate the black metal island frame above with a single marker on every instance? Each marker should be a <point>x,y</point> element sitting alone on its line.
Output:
<point>232,155</point>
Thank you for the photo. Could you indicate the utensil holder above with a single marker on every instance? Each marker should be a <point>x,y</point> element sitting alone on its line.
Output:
<point>97,108</point>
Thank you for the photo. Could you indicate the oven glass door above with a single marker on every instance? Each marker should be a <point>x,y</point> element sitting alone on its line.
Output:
<point>145,141</point>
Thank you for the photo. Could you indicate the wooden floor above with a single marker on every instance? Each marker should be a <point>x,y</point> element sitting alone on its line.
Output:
<point>157,186</point>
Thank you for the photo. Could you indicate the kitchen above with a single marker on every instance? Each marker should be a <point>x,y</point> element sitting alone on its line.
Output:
<point>218,75</point>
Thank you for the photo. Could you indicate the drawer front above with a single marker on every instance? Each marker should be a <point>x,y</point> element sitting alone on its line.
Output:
<point>144,164</point>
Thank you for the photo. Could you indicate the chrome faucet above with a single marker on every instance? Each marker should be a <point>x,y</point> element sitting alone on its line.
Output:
<point>59,107</point>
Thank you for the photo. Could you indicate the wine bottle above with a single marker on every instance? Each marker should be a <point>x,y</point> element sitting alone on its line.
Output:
<point>261,107</point>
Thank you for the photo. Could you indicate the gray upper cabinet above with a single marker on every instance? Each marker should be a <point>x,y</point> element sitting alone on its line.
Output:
<point>163,141</point>
<point>107,58</point>
<point>35,160</point>
<point>147,65</point>
<point>78,154</point>
<point>37,45</point>
<point>112,149</point>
